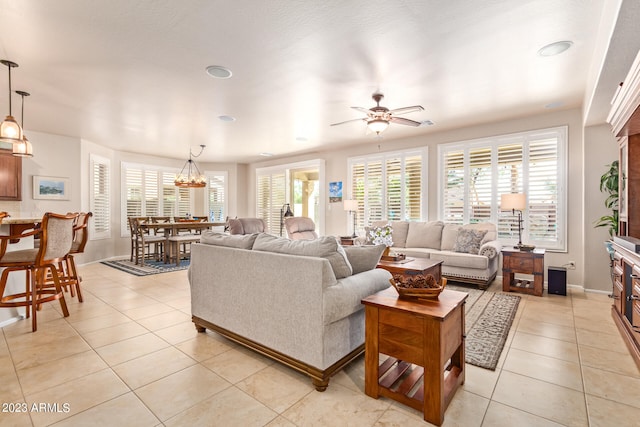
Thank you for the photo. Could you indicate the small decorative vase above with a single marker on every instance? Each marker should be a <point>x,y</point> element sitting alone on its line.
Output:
<point>386,252</point>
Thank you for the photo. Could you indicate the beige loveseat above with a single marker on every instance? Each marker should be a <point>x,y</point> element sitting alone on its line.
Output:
<point>297,302</point>
<point>469,253</point>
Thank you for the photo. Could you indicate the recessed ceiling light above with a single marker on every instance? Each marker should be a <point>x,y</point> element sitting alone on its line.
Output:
<point>227,118</point>
<point>554,104</point>
<point>219,72</point>
<point>265,154</point>
<point>555,48</point>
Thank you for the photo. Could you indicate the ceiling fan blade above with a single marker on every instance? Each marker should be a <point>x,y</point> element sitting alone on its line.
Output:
<point>405,110</point>
<point>362,109</point>
<point>403,121</point>
<point>348,121</point>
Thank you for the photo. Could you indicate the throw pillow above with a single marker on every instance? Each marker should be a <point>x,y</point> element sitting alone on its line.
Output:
<point>364,258</point>
<point>469,241</point>
<point>323,247</point>
<point>240,241</point>
<point>425,234</point>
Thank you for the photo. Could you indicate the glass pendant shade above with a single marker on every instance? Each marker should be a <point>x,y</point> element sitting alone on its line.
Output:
<point>23,148</point>
<point>378,125</point>
<point>10,130</point>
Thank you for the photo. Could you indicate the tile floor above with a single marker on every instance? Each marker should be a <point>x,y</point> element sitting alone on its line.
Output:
<point>129,355</point>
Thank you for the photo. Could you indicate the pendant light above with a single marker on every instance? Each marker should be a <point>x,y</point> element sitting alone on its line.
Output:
<point>22,148</point>
<point>10,130</point>
<point>193,178</point>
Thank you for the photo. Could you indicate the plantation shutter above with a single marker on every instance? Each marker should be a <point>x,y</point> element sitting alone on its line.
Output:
<point>413,188</point>
<point>184,201</point>
<point>99,202</point>
<point>169,194</point>
<point>480,185</point>
<point>510,180</point>
<point>374,198</point>
<point>542,195</point>
<point>217,196</point>
<point>271,195</point>
<point>133,185</point>
<point>151,199</point>
<point>394,189</point>
<point>454,192</point>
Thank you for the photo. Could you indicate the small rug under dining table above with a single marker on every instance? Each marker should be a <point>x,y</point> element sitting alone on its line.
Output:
<point>150,267</point>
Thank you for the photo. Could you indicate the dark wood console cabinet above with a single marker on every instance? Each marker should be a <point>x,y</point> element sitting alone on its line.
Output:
<point>10,176</point>
<point>625,121</point>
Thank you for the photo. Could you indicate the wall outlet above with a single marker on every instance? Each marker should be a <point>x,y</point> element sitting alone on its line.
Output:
<point>571,265</point>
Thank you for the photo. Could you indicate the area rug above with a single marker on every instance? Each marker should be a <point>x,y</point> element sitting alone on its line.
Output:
<point>488,318</point>
<point>150,267</point>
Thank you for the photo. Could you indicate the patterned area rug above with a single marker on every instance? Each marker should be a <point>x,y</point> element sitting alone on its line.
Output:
<point>150,267</point>
<point>488,318</point>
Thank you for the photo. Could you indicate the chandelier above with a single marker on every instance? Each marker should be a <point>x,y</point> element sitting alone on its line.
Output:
<point>190,176</point>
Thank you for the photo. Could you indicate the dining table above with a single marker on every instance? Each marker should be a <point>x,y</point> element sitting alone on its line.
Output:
<point>175,228</point>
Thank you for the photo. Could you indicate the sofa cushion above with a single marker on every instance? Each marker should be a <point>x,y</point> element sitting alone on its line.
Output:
<point>400,231</point>
<point>424,234</point>
<point>469,240</point>
<point>458,259</point>
<point>324,247</point>
<point>240,241</point>
<point>449,236</point>
<point>363,258</point>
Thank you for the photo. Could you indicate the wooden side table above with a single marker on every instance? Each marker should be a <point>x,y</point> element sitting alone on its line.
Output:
<point>424,339</point>
<point>347,240</point>
<point>524,262</point>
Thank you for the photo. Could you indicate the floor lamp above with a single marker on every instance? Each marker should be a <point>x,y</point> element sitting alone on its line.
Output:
<point>351,205</point>
<point>284,213</point>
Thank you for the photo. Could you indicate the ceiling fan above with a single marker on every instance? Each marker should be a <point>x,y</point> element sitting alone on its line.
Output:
<point>378,117</point>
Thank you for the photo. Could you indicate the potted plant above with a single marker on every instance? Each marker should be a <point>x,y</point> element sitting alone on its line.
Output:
<point>609,185</point>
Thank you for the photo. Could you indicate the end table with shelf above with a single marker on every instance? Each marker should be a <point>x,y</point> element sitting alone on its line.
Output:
<point>525,262</point>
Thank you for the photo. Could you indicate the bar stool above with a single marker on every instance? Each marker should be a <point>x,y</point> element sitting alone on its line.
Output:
<point>56,238</point>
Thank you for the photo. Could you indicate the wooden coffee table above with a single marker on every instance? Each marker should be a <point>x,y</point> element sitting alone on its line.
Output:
<point>413,266</point>
<point>424,341</point>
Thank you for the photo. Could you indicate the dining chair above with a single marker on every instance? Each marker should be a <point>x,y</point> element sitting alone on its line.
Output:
<point>145,242</point>
<point>56,239</point>
<point>80,237</point>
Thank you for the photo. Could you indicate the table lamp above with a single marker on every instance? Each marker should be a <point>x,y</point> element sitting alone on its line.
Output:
<point>351,205</point>
<point>516,202</point>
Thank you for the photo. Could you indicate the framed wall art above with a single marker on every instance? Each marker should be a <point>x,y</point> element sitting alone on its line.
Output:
<point>51,188</point>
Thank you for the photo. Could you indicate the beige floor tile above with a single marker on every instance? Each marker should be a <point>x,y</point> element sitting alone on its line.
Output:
<point>546,346</point>
<point>132,303</point>
<point>164,320</point>
<point>79,395</point>
<point>557,403</point>
<point>176,393</point>
<point>205,346</point>
<point>336,406</point>
<point>351,376</point>
<point>27,357</point>
<point>608,385</point>
<point>230,407</point>
<point>480,381</point>
<point>560,372</point>
<point>602,340</point>
<point>236,364</point>
<point>605,326</point>
<point>90,310</point>
<point>147,311</point>
<point>10,389</point>
<point>499,415</point>
<point>119,352</point>
<point>394,416</point>
<point>548,330</point>
<point>466,409</point>
<point>101,322</point>
<point>178,333</point>
<point>56,372</point>
<point>125,410</point>
<point>606,413</point>
<point>153,366</point>
<point>113,334</point>
<point>280,422</point>
<point>15,414</point>
<point>277,387</point>
<point>621,363</point>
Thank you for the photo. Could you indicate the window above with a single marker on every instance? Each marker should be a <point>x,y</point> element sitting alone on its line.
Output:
<point>271,191</point>
<point>389,186</point>
<point>150,191</point>
<point>216,196</point>
<point>473,175</point>
<point>99,197</point>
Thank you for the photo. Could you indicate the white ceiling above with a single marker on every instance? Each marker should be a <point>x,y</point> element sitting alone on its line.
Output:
<point>130,75</point>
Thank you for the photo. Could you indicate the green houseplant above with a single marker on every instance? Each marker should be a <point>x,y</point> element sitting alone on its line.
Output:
<point>609,185</point>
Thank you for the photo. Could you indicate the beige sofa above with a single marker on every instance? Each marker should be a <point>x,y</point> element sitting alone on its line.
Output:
<point>297,302</point>
<point>469,253</point>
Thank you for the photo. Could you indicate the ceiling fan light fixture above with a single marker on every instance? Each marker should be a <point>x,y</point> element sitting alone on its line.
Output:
<point>378,125</point>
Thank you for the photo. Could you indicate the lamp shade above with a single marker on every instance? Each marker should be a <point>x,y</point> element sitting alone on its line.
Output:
<point>511,201</point>
<point>350,205</point>
<point>378,125</point>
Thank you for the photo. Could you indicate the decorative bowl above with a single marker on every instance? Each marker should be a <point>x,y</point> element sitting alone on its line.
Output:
<point>418,287</point>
